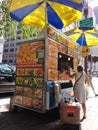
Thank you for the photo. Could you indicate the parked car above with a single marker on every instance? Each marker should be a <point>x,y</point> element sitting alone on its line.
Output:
<point>6,72</point>
<point>12,67</point>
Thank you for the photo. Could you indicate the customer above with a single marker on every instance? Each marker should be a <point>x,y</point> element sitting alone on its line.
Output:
<point>91,84</point>
<point>79,89</point>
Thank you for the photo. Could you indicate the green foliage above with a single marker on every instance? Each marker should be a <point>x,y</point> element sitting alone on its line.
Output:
<point>6,23</point>
<point>8,26</point>
<point>28,31</point>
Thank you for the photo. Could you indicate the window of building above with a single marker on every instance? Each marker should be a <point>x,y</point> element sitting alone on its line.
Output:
<point>19,37</point>
<point>12,39</point>
<point>5,50</point>
<point>5,56</point>
<point>6,45</point>
<point>10,55</point>
<point>19,32</point>
<point>11,61</point>
<point>4,61</point>
<point>12,50</point>
<point>11,44</point>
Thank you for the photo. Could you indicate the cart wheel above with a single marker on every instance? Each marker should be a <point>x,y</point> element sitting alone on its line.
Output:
<point>15,109</point>
<point>11,105</point>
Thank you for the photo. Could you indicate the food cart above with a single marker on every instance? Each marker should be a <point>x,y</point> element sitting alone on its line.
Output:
<point>39,62</point>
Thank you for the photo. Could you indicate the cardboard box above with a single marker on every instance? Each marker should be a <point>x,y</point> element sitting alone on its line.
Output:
<point>69,114</point>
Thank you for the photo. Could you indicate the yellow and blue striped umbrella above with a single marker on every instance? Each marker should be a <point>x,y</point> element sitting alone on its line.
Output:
<point>58,13</point>
<point>84,37</point>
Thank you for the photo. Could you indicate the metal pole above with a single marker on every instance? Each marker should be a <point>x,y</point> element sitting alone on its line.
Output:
<point>85,15</point>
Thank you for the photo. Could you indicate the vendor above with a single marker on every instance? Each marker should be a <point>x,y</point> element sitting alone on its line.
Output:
<point>64,74</point>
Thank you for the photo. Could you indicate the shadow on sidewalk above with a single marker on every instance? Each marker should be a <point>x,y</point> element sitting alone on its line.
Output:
<point>28,120</point>
<point>68,127</point>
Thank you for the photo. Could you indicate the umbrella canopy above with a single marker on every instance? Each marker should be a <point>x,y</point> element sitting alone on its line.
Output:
<point>58,13</point>
<point>84,37</point>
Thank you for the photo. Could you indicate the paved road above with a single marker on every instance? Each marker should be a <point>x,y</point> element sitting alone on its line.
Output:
<point>6,88</point>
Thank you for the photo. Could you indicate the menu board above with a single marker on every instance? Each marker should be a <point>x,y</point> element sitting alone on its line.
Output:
<point>76,60</point>
<point>52,74</point>
<point>63,49</point>
<point>73,46</point>
<point>52,62</point>
<point>30,75</point>
<point>71,52</point>
<point>28,54</point>
<point>57,36</point>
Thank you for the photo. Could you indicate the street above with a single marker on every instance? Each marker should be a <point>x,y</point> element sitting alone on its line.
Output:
<point>6,87</point>
<point>41,63</point>
<point>29,120</point>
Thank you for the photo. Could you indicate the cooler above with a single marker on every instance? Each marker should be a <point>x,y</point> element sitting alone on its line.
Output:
<point>70,114</point>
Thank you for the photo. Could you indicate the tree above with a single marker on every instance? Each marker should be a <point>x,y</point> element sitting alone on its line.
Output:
<point>8,25</point>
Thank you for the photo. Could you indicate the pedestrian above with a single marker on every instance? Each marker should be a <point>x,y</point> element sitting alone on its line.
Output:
<point>79,88</point>
<point>91,84</point>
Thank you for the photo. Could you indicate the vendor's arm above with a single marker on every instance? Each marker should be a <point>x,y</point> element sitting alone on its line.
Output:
<point>73,75</point>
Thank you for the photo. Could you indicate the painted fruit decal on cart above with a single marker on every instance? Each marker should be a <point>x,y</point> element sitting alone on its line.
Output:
<point>19,80</point>
<point>37,103</point>
<point>18,99</point>
<point>27,101</point>
<point>19,89</point>
<point>38,72</point>
<point>38,82</point>
<point>20,71</point>
<point>28,91</point>
<point>28,71</point>
<point>37,92</point>
<point>28,81</point>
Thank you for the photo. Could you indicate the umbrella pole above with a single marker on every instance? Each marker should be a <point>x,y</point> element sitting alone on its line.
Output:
<point>85,59</point>
<point>86,14</point>
<point>45,57</point>
<point>46,44</point>
<point>86,64</point>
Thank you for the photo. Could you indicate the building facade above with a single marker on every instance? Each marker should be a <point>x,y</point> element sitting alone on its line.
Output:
<point>9,52</point>
<point>1,48</point>
<point>10,49</point>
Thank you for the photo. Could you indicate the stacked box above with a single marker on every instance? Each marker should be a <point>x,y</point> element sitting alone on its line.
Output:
<point>69,114</point>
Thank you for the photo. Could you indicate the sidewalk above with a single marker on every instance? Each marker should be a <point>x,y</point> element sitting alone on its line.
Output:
<point>28,120</point>
<point>91,123</point>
